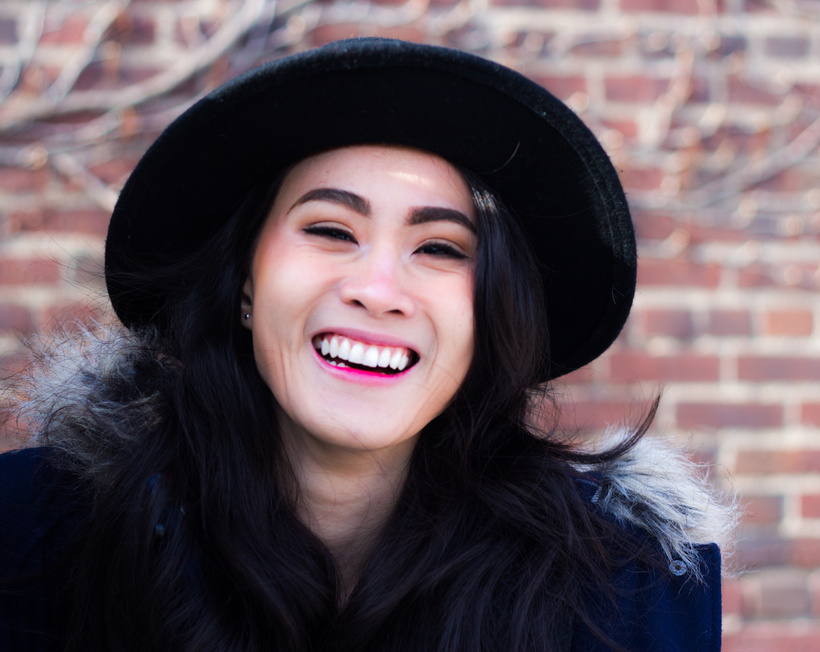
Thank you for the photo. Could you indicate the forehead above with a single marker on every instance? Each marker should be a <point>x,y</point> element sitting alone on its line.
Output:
<point>366,169</point>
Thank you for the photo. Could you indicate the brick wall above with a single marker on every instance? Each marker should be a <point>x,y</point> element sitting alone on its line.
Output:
<point>710,109</point>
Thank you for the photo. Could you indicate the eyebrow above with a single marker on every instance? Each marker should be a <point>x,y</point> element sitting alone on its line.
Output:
<point>335,196</point>
<point>438,214</point>
<point>359,204</point>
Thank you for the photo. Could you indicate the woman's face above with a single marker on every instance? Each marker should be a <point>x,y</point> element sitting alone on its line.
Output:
<point>360,293</point>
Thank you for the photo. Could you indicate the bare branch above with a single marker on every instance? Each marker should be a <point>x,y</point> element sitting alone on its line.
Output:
<point>805,144</point>
<point>92,37</point>
<point>30,33</point>
<point>220,43</point>
<point>70,167</point>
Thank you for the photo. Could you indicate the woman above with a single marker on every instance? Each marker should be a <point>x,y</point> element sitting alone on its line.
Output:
<point>345,279</point>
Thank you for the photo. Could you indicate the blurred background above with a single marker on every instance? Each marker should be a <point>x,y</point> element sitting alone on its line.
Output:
<point>710,110</point>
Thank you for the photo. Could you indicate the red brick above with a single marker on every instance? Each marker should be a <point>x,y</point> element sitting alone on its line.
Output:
<point>19,272</point>
<point>762,462</point>
<point>729,45</point>
<point>794,179</point>
<point>653,226</point>
<point>634,88</point>
<point>767,276</point>
<point>8,30</point>
<point>806,553</point>
<point>70,30</point>
<point>789,47</point>
<point>742,91</point>
<point>776,636</point>
<point>334,32</point>
<point>785,595</point>
<point>810,505</point>
<point>596,46</point>
<point>671,323</point>
<point>732,598</point>
<point>113,172</point>
<point>595,416</point>
<point>762,551</point>
<point>15,318</point>
<point>632,366</point>
<point>671,6</point>
<point>587,5</point>
<point>636,178</point>
<point>677,273</point>
<point>627,128</point>
<point>78,221</point>
<point>762,510</point>
<point>810,414</point>
<point>729,415</point>
<point>20,180</point>
<point>763,368</point>
<point>795,322</point>
<point>729,322</point>
<point>761,7</point>
<point>562,86</point>
<point>133,29</point>
<point>28,220</point>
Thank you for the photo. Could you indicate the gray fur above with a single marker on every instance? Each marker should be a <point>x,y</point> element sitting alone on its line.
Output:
<point>81,396</point>
<point>657,488</point>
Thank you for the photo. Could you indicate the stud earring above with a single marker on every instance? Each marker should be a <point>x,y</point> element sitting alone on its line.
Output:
<point>246,316</point>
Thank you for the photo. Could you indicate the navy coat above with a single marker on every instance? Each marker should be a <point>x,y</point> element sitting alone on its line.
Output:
<point>659,610</point>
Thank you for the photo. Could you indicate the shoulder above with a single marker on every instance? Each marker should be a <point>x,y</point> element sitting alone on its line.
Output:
<point>658,492</point>
<point>666,504</point>
<point>39,515</point>
<point>38,504</point>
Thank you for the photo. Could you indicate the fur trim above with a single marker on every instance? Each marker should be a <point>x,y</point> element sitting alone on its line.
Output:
<point>88,394</point>
<point>657,488</point>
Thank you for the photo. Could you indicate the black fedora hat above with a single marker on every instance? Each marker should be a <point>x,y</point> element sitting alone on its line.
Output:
<point>534,151</point>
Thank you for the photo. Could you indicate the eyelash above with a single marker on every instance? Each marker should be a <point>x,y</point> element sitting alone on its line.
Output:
<point>441,249</point>
<point>330,232</point>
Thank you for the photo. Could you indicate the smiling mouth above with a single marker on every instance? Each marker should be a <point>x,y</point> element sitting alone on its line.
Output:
<point>342,351</point>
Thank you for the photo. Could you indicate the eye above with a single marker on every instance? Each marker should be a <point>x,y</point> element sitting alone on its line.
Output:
<point>442,249</point>
<point>333,232</point>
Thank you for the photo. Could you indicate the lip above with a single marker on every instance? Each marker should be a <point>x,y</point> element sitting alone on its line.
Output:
<point>365,337</point>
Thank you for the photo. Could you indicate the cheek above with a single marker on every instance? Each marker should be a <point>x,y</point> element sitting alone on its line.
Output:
<point>460,332</point>
<point>276,319</point>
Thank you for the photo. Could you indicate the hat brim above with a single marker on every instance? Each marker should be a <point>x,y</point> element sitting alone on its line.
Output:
<point>535,152</point>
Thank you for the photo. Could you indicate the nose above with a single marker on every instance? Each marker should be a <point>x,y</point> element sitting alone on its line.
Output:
<point>377,283</point>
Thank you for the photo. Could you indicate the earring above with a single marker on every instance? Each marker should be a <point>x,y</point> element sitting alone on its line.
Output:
<point>246,316</point>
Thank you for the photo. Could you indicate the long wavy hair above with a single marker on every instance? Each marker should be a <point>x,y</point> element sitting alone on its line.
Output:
<point>192,544</point>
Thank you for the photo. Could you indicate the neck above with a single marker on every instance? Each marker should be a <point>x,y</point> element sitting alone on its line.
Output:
<point>346,496</point>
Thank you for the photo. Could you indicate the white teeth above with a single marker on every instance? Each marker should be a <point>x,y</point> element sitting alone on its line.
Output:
<point>371,358</point>
<point>395,359</point>
<point>338,348</point>
<point>356,353</point>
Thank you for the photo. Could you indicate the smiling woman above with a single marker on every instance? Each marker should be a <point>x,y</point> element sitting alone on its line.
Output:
<point>340,305</point>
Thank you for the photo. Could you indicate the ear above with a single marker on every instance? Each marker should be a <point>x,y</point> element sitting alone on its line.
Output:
<point>246,304</point>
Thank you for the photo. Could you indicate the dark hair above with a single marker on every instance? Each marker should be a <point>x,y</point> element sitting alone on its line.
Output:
<point>489,547</point>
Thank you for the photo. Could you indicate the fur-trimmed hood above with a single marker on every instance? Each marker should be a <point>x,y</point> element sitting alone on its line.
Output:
<point>655,487</point>
<point>64,400</point>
